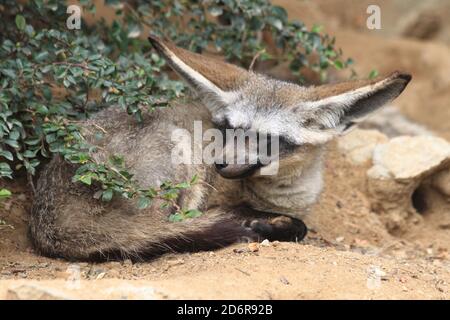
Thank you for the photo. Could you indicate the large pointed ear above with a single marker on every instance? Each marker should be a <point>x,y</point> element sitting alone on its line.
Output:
<point>342,105</point>
<point>206,75</point>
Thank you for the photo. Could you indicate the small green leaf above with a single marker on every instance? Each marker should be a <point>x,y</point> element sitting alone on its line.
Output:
<point>41,56</point>
<point>86,179</point>
<point>8,72</point>
<point>47,93</point>
<point>5,170</point>
<point>32,141</point>
<point>143,202</point>
<point>14,135</point>
<point>12,143</point>
<point>183,185</point>
<point>42,109</point>
<point>373,74</point>
<point>338,64</point>
<point>5,193</point>
<point>30,153</point>
<point>317,28</point>
<point>194,213</point>
<point>176,217</point>
<point>194,179</point>
<point>6,154</point>
<point>277,23</point>
<point>107,195</point>
<point>20,22</point>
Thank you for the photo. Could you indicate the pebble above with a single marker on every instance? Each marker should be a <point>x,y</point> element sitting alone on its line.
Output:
<point>175,262</point>
<point>95,272</point>
<point>128,263</point>
<point>253,246</point>
<point>284,280</point>
<point>402,279</point>
<point>265,243</point>
<point>43,265</point>
<point>340,239</point>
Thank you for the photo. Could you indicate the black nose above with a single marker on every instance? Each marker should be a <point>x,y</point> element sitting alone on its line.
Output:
<point>220,166</point>
<point>236,171</point>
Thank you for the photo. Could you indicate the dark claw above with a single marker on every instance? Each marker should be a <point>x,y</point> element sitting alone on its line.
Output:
<point>280,228</point>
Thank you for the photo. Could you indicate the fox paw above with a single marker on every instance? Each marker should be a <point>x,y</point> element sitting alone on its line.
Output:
<point>281,228</point>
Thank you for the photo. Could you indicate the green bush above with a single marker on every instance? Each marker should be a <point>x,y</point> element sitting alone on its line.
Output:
<point>39,56</point>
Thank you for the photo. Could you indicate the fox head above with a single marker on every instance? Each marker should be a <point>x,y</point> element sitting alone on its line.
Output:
<point>302,118</point>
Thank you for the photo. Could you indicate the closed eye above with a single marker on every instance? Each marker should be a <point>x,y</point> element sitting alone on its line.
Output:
<point>286,145</point>
<point>225,124</point>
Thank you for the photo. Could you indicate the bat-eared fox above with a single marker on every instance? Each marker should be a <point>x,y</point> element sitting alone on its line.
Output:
<point>238,201</point>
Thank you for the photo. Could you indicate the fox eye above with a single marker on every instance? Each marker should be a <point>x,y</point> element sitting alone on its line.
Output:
<point>286,142</point>
<point>286,145</point>
<point>224,124</point>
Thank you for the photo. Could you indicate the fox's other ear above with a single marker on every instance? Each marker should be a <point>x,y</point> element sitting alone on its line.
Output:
<point>342,105</point>
<point>204,74</point>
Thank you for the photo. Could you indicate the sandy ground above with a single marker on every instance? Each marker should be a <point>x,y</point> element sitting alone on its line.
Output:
<point>348,252</point>
<point>287,271</point>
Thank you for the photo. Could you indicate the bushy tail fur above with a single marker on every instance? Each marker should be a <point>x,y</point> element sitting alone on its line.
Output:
<point>67,222</point>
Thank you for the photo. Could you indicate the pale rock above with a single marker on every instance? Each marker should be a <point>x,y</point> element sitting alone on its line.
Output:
<point>33,292</point>
<point>408,157</point>
<point>358,145</point>
<point>441,181</point>
<point>379,172</point>
<point>400,166</point>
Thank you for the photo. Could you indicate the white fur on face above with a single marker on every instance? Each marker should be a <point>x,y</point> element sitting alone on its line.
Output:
<point>258,107</point>
<point>276,122</point>
<point>244,113</point>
